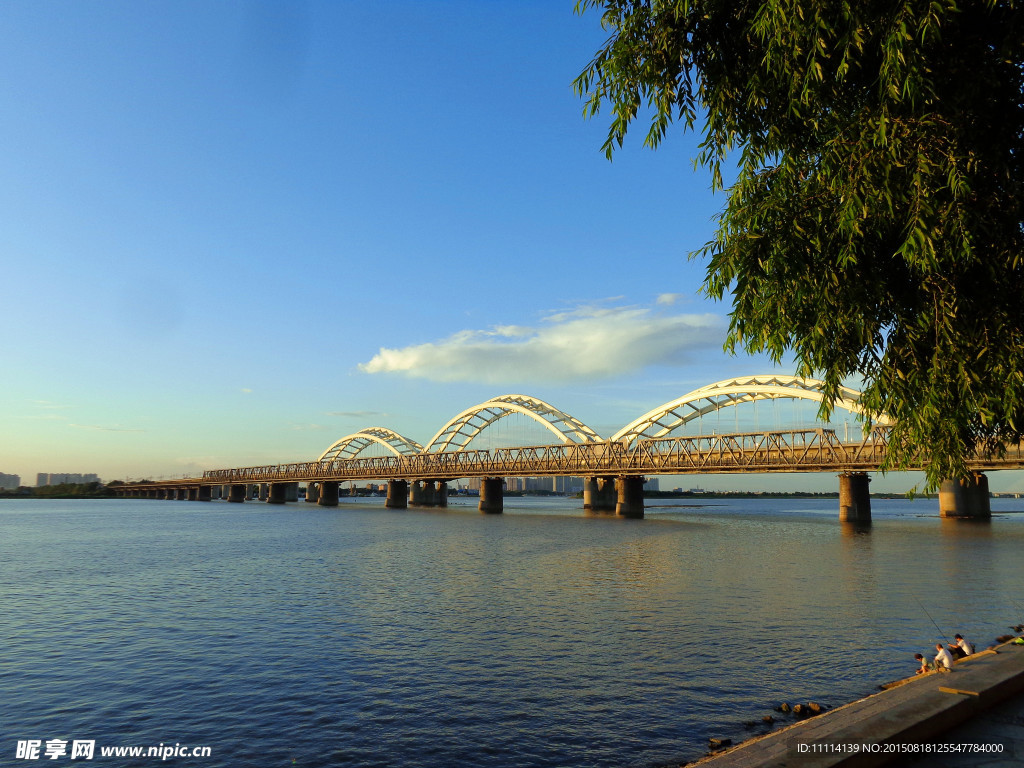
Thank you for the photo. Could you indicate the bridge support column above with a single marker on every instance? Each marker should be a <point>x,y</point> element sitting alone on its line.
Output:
<point>441,496</point>
<point>264,491</point>
<point>599,494</point>
<point>491,500</point>
<point>328,493</point>
<point>854,498</point>
<point>276,493</point>
<point>204,493</point>
<point>312,492</point>
<point>429,493</point>
<point>965,498</point>
<point>398,494</point>
<point>416,493</point>
<point>236,494</point>
<point>631,496</point>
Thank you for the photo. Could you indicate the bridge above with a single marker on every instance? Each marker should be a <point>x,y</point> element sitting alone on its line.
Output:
<point>613,469</point>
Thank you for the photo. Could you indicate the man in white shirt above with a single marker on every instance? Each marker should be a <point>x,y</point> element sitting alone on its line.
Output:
<point>967,648</point>
<point>943,658</point>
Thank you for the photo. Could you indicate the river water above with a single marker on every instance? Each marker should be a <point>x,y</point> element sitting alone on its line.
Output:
<point>359,636</point>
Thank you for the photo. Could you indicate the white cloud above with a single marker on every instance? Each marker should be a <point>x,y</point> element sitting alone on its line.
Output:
<point>582,344</point>
<point>668,299</point>
<point>100,428</point>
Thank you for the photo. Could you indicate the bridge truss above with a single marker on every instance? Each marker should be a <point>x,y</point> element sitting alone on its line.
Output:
<point>730,393</point>
<point>351,445</point>
<point>460,431</point>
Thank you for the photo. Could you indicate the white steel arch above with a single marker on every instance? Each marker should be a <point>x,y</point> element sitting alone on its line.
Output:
<point>730,392</point>
<point>457,433</point>
<point>350,445</point>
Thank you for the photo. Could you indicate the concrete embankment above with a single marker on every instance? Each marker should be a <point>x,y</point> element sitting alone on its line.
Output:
<point>871,731</point>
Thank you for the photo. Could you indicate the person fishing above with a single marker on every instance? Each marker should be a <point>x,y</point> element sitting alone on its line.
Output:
<point>963,645</point>
<point>925,667</point>
<point>943,658</point>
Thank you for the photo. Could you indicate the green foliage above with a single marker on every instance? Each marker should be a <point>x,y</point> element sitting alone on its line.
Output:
<point>876,224</point>
<point>71,490</point>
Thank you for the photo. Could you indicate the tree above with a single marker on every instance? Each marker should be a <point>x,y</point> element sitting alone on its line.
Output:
<point>875,228</point>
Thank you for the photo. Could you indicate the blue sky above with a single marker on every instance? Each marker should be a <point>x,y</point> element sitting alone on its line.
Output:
<point>233,232</point>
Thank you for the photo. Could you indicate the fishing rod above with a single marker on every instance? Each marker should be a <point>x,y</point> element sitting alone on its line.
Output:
<point>943,634</point>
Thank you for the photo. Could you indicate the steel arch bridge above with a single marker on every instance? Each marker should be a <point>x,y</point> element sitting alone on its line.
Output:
<point>732,392</point>
<point>351,445</point>
<point>460,431</point>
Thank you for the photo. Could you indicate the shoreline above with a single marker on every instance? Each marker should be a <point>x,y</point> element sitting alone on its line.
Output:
<point>905,714</point>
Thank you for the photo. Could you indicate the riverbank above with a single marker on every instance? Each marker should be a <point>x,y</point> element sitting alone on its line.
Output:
<point>898,724</point>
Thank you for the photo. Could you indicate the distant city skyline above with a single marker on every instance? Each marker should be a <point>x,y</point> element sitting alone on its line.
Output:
<point>236,232</point>
<point>59,478</point>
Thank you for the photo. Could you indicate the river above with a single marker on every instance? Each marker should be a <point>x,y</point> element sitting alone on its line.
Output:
<point>543,637</point>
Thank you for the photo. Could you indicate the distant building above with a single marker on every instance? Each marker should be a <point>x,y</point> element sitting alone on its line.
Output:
<point>59,478</point>
<point>9,482</point>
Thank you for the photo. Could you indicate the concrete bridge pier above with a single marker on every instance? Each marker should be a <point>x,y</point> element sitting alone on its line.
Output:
<point>312,492</point>
<point>631,496</point>
<point>398,494</point>
<point>416,493</point>
<point>441,497</point>
<point>264,491</point>
<point>599,494</point>
<point>854,498</point>
<point>966,498</point>
<point>429,493</point>
<point>328,493</point>
<point>204,493</point>
<point>236,493</point>
<point>275,494</point>
<point>279,493</point>
<point>492,501</point>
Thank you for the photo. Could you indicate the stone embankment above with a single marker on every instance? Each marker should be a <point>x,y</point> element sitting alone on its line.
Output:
<point>890,727</point>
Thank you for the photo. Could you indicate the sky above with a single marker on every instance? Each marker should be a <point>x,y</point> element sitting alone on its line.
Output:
<point>234,232</point>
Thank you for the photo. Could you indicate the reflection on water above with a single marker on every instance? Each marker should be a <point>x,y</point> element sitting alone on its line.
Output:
<point>362,636</point>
